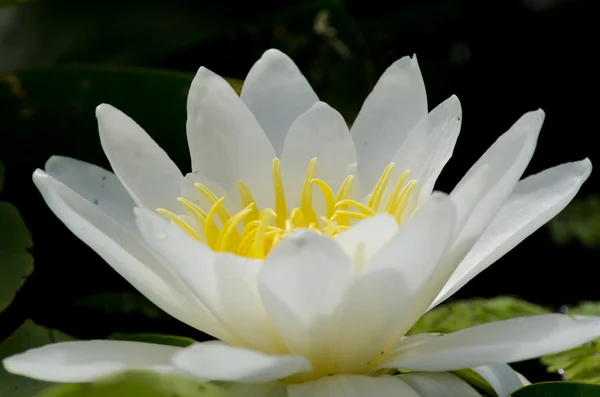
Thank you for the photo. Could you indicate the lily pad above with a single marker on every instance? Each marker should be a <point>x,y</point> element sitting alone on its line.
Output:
<point>27,336</point>
<point>144,384</point>
<point>559,389</point>
<point>16,264</point>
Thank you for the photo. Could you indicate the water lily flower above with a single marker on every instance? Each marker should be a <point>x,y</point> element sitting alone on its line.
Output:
<point>308,249</point>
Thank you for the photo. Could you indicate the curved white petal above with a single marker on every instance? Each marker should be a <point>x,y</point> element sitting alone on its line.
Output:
<point>149,175</point>
<point>503,379</point>
<point>368,236</point>
<point>216,360</point>
<point>534,201</point>
<point>485,187</point>
<point>429,146</point>
<point>393,108</point>
<point>224,283</point>
<point>319,133</point>
<point>277,93</point>
<point>124,253</point>
<point>443,384</point>
<point>396,280</point>
<point>96,185</point>
<point>523,380</point>
<point>226,142</point>
<point>268,389</point>
<point>499,342</point>
<point>86,361</point>
<point>353,386</point>
<point>301,284</point>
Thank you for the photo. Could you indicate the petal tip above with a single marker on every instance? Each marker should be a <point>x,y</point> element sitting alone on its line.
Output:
<point>274,54</point>
<point>40,177</point>
<point>586,166</point>
<point>103,109</point>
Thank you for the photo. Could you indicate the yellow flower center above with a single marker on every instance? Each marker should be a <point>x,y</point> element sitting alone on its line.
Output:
<point>253,232</point>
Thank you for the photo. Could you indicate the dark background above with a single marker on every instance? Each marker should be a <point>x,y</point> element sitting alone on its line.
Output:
<point>501,58</point>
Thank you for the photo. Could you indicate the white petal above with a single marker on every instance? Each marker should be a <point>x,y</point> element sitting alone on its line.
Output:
<point>321,132</point>
<point>395,281</point>
<point>443,384</point>
<point>277,93</point>
<point>398,102</point>
<point>86,361</point>
<point>482,191</point>
<point>500,342</point>
<point>301,284</point>
<point>96,185</point>
<point>369,235</point>
<point>226,142</point>
<point>216,360</point>
<point>224,283</point>
<point>429,146</point>
<point>353,386</point>
<point>269,389</point>
<point>534,201</point>
<point>123,252</point>
<point>149,175</point>
<point>503,379</point>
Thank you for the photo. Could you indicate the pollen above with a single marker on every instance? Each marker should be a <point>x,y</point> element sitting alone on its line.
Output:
<point>253,231</point>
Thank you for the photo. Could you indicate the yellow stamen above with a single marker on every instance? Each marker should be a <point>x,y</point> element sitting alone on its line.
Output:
<point>259,240</point>
<point>380,188</point>
<point>179,222</point>
<point>229,236</point>
<point>328,194</point>
<point>403,200</point>
<point>280,206</point>
<point>247,199</point>
<point>210,227</point>
<point>210,196</point>
<point>253,232</point>
<point>306,202</point>
<point>390,207</point>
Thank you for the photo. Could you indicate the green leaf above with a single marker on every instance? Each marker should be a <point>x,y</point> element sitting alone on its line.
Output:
<point>580,221</point>
<point>581,363</point>
<point>160,339</point>
<point>464,314</point>
<point>558,389</point>
<point>55,107</point>
<point>143,384</point>
<point>27,336</point>
<point>121,302</point>
<point>16,264</point>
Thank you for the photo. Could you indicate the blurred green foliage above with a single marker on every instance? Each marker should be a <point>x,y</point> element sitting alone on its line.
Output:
<point>559,389</point>
<point>458,315</point>
<point>120,302</point>
<point>9,3</point>
<point>579,221</point>
<point>581,363</point>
